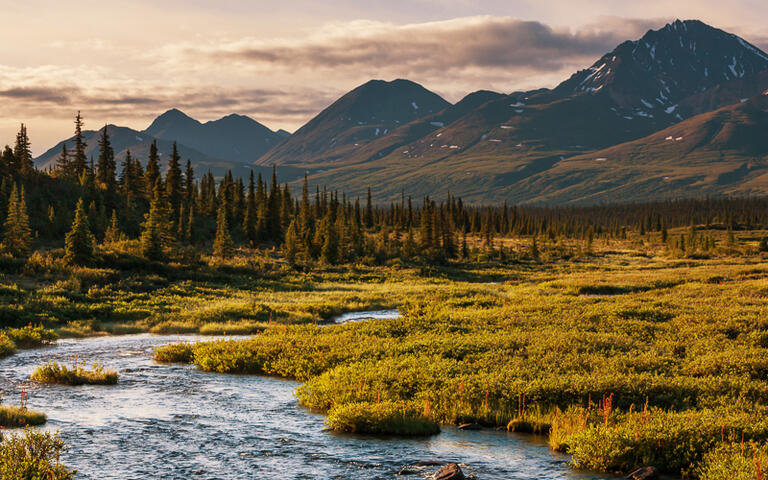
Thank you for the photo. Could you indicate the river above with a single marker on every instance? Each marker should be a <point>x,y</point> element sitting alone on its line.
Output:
<point>176,422</point>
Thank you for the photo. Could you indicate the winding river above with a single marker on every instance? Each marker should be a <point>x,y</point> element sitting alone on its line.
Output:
<point>175,422</point>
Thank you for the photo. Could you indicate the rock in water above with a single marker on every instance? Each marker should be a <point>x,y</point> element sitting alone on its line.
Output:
<point>452,471</point>
<point>645,473</point>
<point>470,426</point>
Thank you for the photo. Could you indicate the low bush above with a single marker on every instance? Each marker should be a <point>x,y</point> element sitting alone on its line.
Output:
<point>174,353</point>
<point>33,455</point>
<point>53,372</point>
<point>385,418</point>
<point>735,461</point>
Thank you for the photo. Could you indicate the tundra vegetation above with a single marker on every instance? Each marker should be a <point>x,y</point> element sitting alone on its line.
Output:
<point>77,374</point>
<point>629,334</point>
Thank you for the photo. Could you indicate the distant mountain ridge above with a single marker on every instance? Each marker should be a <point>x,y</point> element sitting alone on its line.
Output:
<point>503,148</point>
<point>590,139</point>
<point>236,138</point>
<point>229,143</point>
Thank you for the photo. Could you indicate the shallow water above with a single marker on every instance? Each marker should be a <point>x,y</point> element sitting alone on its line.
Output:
<point>369,315</point>
<point>175,422</point>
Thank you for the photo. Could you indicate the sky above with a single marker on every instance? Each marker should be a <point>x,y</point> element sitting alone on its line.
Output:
<point>281,63</point>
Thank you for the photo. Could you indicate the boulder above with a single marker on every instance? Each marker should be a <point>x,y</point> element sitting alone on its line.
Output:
<point>452,471</point>
<point>409,471</point>
<point>470,426</point>
<point>645,473</point>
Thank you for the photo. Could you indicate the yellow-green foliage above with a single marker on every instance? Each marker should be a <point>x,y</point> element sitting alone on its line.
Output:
<point>53,372</point>
<point>672,441</point>
<point>30,336</point>
<point>174,353</point>
<point>685,337</point>
<point>32,455</point>
<point>25,337</point>
<point>385,418</point>
<point>15,417</point>
<point>735,461</point>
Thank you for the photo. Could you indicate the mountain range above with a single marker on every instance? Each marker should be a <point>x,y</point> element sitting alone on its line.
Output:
<point>678,112</point>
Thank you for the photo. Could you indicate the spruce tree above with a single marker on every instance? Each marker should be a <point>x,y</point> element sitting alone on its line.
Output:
<point>155,235</point>
<point>250,216</point>
<point>112,234</point>
<point>329,253</point>
<point>292,241</point>
<point>23,153</point>
<point>222,244</point>
<point>17,237</point>
<point>105,164</point>
<point>78,243</point>
<point>368,210</point>
<point>274,229</point>
<point>63,166</point>
<point>173,183</point>
<point>152,173</point>
<point>79,158</point>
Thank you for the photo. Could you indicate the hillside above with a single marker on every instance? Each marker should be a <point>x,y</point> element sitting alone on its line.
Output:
<point>500,149</point>
<point>368,112</point>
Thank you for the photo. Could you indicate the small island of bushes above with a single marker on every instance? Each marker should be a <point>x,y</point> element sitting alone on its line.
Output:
<point>57,373</point>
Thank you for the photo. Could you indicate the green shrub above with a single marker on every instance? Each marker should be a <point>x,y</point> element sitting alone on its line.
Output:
<point>174,353</point>
<point>32,456</point>
<point>53,372</point>
<point>734,461</point>
<point>31,337</point>
<point>385,418</point>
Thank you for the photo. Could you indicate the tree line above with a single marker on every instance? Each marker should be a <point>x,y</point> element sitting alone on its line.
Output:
<point>81,202</point>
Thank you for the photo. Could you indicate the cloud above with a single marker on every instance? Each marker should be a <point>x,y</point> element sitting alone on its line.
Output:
<point>38,94</point>
<point>483,42</point>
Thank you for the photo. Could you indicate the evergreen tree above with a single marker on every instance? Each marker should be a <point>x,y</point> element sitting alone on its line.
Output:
<point>79,158</point>
<point>250,217</point>
<point>22,151</point>
<point>189,185</point>
<point>292,240</point>
<point>222,244</point>
<point>63,166</point>
<point>329,252</point>
<point>105,164</point>
<point>173,183</point>
<point>78,244</point>
<point>112,234</point>
<point>155,236</point>
<point>17,237</point>
<point>368,219</point>
<point>152,173</point>
<point>7,162</point>
<point>274,229</point>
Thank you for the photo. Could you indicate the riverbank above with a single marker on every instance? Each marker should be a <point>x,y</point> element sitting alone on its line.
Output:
<point>671,353</point>
<point>173,421</point>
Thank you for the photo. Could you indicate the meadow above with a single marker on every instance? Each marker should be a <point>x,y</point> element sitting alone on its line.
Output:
<point>624,352</point>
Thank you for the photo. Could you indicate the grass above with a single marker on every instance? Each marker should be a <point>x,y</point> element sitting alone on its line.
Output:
<point>675,356</point>
<point>16,417</point>
<point>57,373</point>
<point>385,418</point>
<point>611,351</point>
<point>32,455</point>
